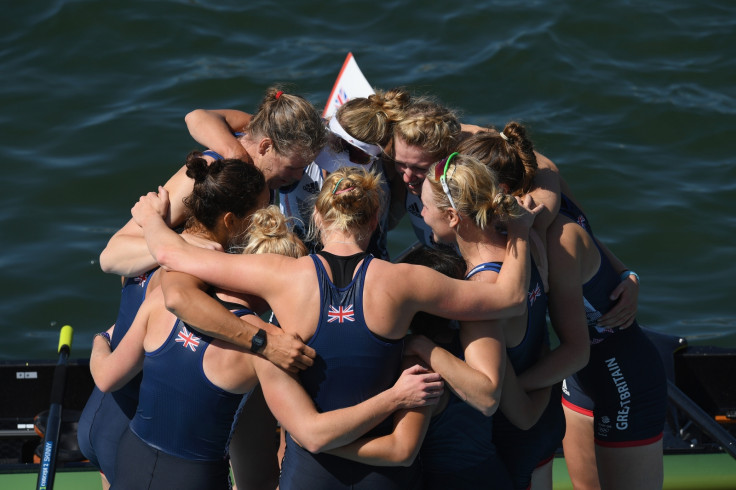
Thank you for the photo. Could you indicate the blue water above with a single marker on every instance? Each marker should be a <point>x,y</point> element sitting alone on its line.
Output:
<point>635,101</point>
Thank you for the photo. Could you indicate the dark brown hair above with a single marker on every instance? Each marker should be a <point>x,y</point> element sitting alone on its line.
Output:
<point>223,186</point>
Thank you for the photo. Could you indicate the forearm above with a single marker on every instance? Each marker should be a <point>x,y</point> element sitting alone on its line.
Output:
<point>316,431</point>
<point>211,129</point>
<point>513,278</point>
<point>97,361</point>
<point>108,372</point>
<point>206,314</point>
<point>399,448</point>
<point>126,253</point>
<point>522,408</point>
<point>564,361</point>
<point>469,384</point>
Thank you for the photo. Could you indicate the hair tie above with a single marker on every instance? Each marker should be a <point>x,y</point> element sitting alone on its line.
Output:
<point>278,94</point>
<point>344,190</point>
<point>335,189</point>
<point>506,138</point>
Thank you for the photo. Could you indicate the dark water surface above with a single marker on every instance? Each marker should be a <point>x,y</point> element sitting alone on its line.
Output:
<point>635,101</point>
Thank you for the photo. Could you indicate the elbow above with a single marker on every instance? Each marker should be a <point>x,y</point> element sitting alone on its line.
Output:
<point>524,423</point>
<point>104,386</point>
<point>103,383</point>
<point>106,264</point>
<point>404,454</point>
<point>191,118</point>
<point>313,444</point>
<point>489,405</point>
<point>516,304</point>
<point>488,409</point>
<point>175,298</point>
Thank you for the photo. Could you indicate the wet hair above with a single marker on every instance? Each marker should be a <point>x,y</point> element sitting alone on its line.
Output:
<point>349,200</point>
<point>430,126</point>
<point>512,158</point>
<point>291,122</point>
<point>223,186</point>
<point>475,191</point>
<point>371,119</point>
<point>449,264</point>
<point>269,232</point>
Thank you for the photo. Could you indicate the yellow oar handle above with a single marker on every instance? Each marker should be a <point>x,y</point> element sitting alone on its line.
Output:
<point>65,337</point>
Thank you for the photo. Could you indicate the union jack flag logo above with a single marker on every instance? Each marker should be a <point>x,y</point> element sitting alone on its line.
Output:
<point>188,339</point>
<point>341,97</point>
<point>581,220</point>
<point>534,294</point>
<point>141,280</point>
<point>341,314</point>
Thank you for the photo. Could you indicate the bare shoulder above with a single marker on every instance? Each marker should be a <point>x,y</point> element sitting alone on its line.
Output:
<point>545,163</point>
<point>563,234</point>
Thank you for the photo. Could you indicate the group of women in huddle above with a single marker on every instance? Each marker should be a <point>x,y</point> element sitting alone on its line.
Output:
<point>436,372</point>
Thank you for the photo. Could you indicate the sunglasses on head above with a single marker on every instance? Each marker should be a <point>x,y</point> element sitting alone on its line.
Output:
<point>440,173</point>
<point>355,154</point>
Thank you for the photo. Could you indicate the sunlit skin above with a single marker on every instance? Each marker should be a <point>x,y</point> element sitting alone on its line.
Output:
<point>412,162</point>
<point>278,170</point>
<point>435,217</point>
<point>283,171</point>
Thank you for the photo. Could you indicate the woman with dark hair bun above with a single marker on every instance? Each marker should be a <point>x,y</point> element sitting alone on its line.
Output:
<point>223,197</point>
<point>280,139</point>
<point>356,136</point>
<point>354,310</point>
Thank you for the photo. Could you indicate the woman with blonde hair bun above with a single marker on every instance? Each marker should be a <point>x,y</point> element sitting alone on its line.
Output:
<point>592,307</point>
<point>357,134</point>
<point>269,232</point>
<point>354,310</point>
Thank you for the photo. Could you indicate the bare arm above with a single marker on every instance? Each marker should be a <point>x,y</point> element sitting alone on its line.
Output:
<point>398,448</point>
<point>546,191</point>
<point>262,275</point>
<point>566,313</point>
<point>626,295</point>
<point>522,408</point>
<point>435,293</point>
<point>214,129</point>
<point>112,370</point>
<point>127,254</point>
<point>186,297</point>
<point>623,313</point>
<point>319,432</point>
<point>477,380</point>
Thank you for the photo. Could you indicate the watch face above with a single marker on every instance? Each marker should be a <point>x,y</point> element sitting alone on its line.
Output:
<point>258,341</point>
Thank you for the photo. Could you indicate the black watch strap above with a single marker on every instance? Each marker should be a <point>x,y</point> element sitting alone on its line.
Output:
<point>258,342</point>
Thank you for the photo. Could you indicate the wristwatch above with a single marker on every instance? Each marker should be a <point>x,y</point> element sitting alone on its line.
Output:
<point>105,336</point>
<point>258,342</point>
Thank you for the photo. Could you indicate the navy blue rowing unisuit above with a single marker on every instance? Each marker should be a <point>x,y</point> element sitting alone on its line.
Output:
<point>106,415</point>
<point>623,387</point>
<point>458,451</point>
<point>352,365</point>
<point>180,411</point>
<point>523,450</point>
